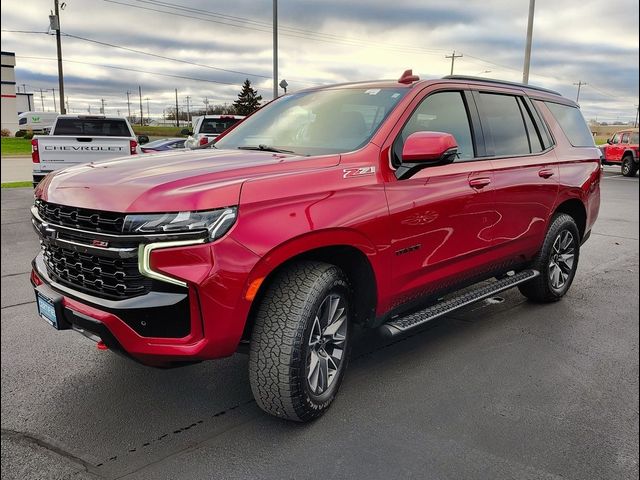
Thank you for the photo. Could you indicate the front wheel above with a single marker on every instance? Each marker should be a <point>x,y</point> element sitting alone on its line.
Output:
<point>629,167</point>
<point>300,341</point>
<point>557,262</point>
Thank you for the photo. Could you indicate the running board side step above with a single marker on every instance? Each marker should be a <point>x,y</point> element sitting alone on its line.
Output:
<point>400,325</point>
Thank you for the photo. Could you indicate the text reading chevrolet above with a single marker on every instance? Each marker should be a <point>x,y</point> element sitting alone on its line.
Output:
<point>385,204</point>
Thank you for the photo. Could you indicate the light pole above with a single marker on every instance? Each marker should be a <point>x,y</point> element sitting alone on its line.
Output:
<point>275,49</point>
<point>54,22</point>
<point>527,49</point>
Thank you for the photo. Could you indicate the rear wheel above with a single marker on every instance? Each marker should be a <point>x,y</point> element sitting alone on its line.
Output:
<point>300,341</point>
<point>557,262</point>
<point>629,167</point>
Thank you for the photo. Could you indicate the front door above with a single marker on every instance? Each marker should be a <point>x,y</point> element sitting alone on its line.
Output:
<point>438,217</point>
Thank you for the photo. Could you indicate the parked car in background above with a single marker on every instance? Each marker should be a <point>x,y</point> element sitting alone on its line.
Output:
<point>622,149</point>
<point>75,139</point>
<point>163,145</point>
<point>36,122</point>
<point>381,204</point>
<point>208,127</point>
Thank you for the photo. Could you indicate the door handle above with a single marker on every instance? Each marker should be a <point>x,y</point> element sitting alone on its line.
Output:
<point>479,182</point>
<point>546,173</point>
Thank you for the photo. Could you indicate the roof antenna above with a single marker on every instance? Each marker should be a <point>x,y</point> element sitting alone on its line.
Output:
<point>408,77</point>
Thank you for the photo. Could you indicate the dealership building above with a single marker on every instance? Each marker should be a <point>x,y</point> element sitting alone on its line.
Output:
<point>9,107</point>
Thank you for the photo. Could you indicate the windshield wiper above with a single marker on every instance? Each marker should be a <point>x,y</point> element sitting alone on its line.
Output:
<point>265,148</point>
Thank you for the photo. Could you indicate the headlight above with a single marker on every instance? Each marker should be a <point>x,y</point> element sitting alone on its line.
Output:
<point>215,222</point>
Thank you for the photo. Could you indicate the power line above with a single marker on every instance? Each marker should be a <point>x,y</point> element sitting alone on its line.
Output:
<point>184,77</point>
<point>266,28</point>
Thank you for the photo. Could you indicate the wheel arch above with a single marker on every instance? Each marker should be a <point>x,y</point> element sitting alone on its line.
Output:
<point>576,209</point>
<point>355,259</point>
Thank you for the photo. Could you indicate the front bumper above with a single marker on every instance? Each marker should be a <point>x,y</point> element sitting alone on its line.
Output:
<point>216,277</point>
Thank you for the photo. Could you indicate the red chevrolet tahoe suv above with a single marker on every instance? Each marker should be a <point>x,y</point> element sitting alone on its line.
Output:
<point>383,204</point>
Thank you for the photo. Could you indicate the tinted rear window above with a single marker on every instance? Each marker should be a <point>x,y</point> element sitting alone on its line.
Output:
<point>503,118</point>
<point>572,123</point>
<point>92,127</point>
<point>214,125</point>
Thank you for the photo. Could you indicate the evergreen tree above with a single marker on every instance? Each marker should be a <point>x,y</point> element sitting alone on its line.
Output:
<point>248,99</point>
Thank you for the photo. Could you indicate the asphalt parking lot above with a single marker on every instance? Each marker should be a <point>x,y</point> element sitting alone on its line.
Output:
<point>500,390</point>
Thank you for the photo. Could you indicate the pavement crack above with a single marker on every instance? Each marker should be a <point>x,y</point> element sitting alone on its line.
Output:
<point>15,274</point>
<point>8,433</point>
<point>18,304</point>
<point>613,236</point>
<point>172,433</point>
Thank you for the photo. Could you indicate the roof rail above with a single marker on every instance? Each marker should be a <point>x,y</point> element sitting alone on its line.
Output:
<point>501,82</point>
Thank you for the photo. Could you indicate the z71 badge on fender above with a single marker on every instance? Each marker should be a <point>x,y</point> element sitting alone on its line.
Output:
<point>358,172</point>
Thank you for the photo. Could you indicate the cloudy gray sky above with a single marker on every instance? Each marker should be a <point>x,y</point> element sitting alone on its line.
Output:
<point>222,43</point>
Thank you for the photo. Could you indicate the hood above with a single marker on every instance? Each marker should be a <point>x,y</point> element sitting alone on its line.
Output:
<point>169,182</point>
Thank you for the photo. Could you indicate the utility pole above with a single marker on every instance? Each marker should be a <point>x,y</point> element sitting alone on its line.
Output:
<point>102,106</point>
<point>24,88</point>
<point>148,114</point>
<point>206,105</point>
<point>275,49</point>
<point>453,57</point>
<point>177,115</point>
<point>54,21</point>
<point>141,112</point>
<point>42,100</point>
<point>579,84</point>
<point>54,100</point>
<point>635,122</point>
<point>67,102</point>
<point>129,105</point>
<point>527,48</point>
<point>188,109</point>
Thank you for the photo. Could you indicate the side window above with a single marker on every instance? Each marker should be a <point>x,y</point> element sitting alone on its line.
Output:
<point>535,142</point>
<point>615,139</point>
<point>439,112</point>
<point>572,123</point>
<point>501,115</point>
<point>625,138</point>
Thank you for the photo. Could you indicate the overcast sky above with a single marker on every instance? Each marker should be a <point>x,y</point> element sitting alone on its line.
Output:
<point>321,42</point>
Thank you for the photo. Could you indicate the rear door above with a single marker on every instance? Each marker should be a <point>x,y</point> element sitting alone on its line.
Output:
<point>438,217</point>
<point>525,172</point>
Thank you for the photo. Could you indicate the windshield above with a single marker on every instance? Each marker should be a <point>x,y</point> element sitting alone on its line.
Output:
<point>317,122</point>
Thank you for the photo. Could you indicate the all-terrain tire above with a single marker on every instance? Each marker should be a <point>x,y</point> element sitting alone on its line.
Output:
<point>541,289</point>
<point>629,167</point>
<point>279,357</point>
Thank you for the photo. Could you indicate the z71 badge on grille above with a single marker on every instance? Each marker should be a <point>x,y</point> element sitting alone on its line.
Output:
<point>358,172</point>
<point>99,243</point>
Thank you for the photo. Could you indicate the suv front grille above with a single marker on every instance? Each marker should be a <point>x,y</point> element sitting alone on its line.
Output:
<point>81,218</point>
<point>102,276</point>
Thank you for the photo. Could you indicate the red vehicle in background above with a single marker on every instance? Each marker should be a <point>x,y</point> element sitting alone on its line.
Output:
<point>384,204</point>
<point>622,149</point>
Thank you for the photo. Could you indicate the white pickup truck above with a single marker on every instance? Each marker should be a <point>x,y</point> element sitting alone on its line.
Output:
<point>75,139</point>
<point>208,127</point>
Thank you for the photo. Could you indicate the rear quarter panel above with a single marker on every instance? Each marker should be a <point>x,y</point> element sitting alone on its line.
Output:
<point>579,170</point>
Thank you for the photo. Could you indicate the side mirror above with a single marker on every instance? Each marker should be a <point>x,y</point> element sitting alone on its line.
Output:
<point>609,141</point>
<point>426,149</point>
<point>185,131</point>
<point>142,139</point>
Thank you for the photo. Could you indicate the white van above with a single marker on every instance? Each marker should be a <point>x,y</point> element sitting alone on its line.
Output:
<point>37,122</point>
